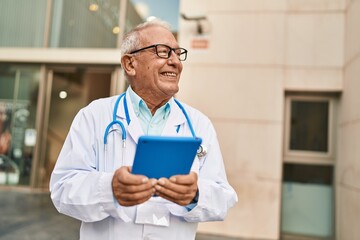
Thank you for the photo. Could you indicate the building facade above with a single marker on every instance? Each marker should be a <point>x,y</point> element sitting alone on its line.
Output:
<point>280,81</point>
<point>55,58</point>
<point>278,78</point>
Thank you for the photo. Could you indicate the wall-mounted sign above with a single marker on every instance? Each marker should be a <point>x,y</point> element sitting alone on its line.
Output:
<point>200,42</point>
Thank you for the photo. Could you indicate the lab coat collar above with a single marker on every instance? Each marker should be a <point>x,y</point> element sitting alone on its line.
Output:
<point>175,119</point>
<point>134,129</point>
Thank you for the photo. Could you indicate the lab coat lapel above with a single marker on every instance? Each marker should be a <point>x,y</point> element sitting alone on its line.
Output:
<point>134,129</point>
<point>175,119</point>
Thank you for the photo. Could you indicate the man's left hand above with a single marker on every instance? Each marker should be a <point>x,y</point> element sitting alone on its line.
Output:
<point>180,189</point>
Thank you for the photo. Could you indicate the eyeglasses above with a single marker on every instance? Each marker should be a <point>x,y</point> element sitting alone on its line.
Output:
<point>164,51</point>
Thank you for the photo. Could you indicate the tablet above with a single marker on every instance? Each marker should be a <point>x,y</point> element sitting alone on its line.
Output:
<point>159,156</point>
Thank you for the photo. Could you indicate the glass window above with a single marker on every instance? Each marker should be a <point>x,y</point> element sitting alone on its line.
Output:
<point>85,24</point>
<point>71,90</point>
<point>307,200</point>
<point>18,104</point>
<point>307,206</point>
<point>308,174</point>
<point>73,24</point>
<point>163,9</point>
<point>133,17</point>
<point>309,125</point>
<point>22,23</point>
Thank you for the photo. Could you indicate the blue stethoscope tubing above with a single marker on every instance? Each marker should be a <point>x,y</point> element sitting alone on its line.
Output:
<point>114,121</point>
<point>201,151</point>
<point>128,120</point>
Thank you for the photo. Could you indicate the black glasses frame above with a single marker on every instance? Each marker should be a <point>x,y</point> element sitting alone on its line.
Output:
<point>183,51</point>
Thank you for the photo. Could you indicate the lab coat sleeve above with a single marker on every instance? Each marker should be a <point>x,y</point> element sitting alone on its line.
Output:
<point>216,196</point>
<point>77,188</point>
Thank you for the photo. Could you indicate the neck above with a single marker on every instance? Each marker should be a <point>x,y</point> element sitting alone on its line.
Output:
<point>153,100</point>
<point>154,104</point>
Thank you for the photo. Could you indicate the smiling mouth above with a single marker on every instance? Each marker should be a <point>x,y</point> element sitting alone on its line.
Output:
<point>169,74</point>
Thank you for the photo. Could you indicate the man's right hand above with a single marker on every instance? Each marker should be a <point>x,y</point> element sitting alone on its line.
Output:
<point>130,189</point>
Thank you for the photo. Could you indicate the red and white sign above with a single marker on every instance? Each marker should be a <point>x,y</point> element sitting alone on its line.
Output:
<point>200,43</point>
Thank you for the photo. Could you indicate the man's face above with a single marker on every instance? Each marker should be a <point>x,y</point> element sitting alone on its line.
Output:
<point>156,77</point>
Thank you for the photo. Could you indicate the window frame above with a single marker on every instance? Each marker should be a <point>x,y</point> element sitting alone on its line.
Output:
<point>304,156</point>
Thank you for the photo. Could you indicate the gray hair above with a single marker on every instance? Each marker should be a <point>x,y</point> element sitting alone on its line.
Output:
<point>131,40</point>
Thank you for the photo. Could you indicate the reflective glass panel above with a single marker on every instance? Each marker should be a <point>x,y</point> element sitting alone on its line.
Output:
<point>18,104</point>
<point>309,125</point>
<point>163,9</point>
<point>307,201</point>
<point>22,23</point>
<point>133,18</point>
<point>85,23</point>
<point>72,89</point>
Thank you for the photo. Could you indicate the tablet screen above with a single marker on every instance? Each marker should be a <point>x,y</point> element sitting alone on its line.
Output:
<point>159,156</point>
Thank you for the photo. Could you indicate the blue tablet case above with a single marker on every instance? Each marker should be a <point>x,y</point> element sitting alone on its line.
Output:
<point>159,156</point>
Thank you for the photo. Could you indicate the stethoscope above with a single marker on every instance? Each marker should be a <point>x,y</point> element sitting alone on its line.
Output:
<point>201,152</point>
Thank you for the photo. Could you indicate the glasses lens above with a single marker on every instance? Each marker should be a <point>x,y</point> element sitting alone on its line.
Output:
<point>182,53</point>
<point>163,51</point>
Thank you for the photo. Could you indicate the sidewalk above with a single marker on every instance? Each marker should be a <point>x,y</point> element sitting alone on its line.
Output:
<point>31,216</point>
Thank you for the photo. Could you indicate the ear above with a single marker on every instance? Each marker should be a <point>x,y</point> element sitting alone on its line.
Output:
<point>127,63</point>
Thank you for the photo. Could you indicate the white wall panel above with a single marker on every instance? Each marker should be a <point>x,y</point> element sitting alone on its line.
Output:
<point>251,149</point>
<point>256,214</point>
<point>246,93</point>
<point>315,40</point>
<point>246,5</point>
<point>348,167</point>
<point>240,39</point>
<point>352,31</point>
<point>313,79</point>
<point>348,214</point>
<point>316,5</point>
<point>350,100</point>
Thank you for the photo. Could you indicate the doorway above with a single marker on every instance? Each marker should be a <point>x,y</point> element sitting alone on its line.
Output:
<point>69,89</point>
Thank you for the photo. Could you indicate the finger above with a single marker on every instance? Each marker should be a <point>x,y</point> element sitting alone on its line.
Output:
<point>173,185</point>
<point>163,191</point>
<point>180,194</point>
<point>124,176</point>
<point>128,195</point>
<point>183,200</point>
<point>133,202</point>
<point>137,188</point>
<point>188,179</point>
<point>172,189</point>
<point>137,196</point>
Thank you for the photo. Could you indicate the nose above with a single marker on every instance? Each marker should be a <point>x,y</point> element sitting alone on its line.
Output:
<point>174,58</point>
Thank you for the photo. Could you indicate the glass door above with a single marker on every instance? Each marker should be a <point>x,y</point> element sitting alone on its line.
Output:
<point>19,87</point>
<point>69,90</point>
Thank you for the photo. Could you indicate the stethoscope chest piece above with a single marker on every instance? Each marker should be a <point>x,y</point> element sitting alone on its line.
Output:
<point>202,151</point>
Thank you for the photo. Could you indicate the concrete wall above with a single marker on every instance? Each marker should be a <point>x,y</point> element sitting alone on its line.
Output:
<point>257,51</point>
<point>348,167</point>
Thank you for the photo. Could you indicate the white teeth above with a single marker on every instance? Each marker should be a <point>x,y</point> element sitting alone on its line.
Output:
<point>170,74</point>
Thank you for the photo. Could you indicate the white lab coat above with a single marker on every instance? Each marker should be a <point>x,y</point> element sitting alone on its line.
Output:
<point>80,184</point>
